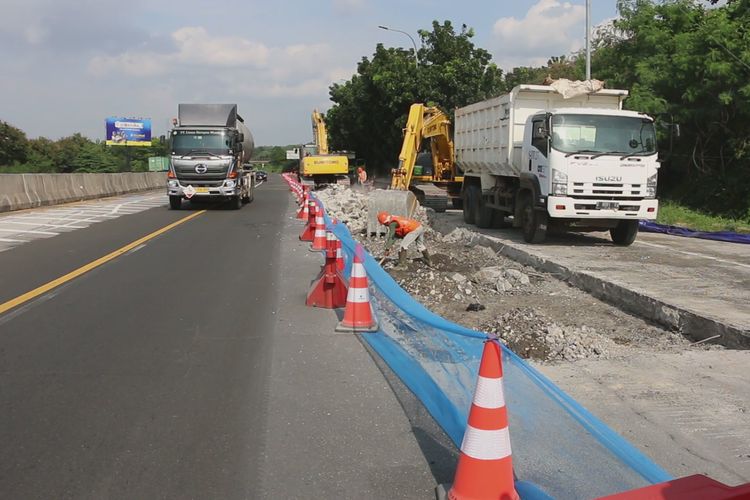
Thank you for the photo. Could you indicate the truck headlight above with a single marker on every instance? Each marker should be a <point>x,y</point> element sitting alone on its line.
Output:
<point>230,183</point>
<point>559,183</point>
<point>651,186</point>
<point>173,184</point>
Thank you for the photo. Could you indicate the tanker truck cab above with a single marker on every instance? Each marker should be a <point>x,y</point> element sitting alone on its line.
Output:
<point>589,169</point>
<point>206,160</point>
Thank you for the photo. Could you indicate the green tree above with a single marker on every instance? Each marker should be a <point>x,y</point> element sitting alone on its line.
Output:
<point>690,65</point>
<point>13,144</point>
<point>370,109</point>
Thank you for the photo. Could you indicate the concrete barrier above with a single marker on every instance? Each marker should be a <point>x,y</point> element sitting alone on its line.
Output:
<point>20,191</point>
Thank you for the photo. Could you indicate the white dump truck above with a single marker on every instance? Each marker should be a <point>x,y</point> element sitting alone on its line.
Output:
<point>209,147</point>
<point>536,160</point>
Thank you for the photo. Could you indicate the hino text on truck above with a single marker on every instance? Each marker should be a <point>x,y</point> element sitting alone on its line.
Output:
<point>549,161</point>
<point>208,148</point>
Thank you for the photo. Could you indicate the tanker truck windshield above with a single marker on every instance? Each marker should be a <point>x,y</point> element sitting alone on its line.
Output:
<point>185,142</point>
<point>602,134</point>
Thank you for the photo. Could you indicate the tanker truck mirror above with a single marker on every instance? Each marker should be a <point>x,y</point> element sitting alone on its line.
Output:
<point>238,147</point>
<point>240,137</point>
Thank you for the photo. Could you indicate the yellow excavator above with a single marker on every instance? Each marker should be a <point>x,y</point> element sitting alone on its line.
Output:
<point>436,182</point>
<point>317,165</point>
<point>432,183</point>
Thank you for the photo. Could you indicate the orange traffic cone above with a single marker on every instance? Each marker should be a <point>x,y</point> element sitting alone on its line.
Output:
<point>328,289</point>
<point>308,232</point>
<point>319,238</point>
<point>358,313</point>
<point>485,468</point>
<point>340,264</point>
<point>304,210</point>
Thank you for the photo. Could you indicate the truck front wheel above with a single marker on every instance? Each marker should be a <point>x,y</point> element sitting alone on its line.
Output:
<point>534,222</point>
<point>175,202</point>
<point>624,233</point>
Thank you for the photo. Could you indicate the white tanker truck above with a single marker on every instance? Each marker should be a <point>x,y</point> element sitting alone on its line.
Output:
<point>208,148</point>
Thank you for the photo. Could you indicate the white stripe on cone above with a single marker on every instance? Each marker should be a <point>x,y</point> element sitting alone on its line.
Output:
<point>489,393</point>
<point>358,295</point>
<point>358,271</point>
<point>486,445</point>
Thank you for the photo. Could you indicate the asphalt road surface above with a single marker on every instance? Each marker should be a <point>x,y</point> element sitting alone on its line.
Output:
<point>186,367</point>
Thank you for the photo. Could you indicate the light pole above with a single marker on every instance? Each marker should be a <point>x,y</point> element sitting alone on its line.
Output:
<point>416,57</point>
<point>588,39</point>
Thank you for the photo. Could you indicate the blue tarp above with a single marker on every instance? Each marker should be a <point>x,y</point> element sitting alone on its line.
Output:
<point>653,227</point>
<point>557,444</point>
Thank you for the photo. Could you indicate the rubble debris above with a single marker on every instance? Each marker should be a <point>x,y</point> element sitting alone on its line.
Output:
<point>536,314</point>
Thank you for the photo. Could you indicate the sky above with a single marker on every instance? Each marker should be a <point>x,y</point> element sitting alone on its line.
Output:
<point>66,66</point>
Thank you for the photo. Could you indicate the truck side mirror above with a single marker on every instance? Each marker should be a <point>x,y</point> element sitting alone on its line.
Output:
<point>241,137</point>
<point>238,147</point>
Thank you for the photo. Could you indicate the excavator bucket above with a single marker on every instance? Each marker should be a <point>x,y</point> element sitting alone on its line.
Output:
<point>393,201</point>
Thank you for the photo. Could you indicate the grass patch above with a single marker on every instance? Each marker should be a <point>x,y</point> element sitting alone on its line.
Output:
<point>674,214</point>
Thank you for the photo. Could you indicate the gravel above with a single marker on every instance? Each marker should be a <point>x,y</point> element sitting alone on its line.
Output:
<point>536,314</point>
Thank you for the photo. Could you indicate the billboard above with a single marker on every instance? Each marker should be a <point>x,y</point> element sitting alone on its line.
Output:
<point>128,131</point>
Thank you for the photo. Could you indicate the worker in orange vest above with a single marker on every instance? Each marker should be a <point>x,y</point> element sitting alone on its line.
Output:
<point>408,230</point>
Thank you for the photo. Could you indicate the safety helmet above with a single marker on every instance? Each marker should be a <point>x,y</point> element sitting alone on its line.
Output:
<point>384,217</point>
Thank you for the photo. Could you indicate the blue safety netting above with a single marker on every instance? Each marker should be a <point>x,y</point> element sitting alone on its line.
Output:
<point>653,227</point>
<point>558,446</point>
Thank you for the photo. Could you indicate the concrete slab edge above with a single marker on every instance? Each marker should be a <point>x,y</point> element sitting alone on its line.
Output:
<point>692,324</point>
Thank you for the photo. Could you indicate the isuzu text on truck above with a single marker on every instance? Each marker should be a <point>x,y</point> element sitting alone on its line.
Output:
<point>208,148</point>
<point>581,163</point>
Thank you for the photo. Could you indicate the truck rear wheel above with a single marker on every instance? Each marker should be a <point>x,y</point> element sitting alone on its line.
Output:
<point>534,223</point>
<point>467,197</point>
<point>175,202</point>
<point>482,213</point>
<point>624,233</point>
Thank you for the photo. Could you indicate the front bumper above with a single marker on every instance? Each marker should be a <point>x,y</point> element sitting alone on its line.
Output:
<point>563,207</point>
<point>213,191</point>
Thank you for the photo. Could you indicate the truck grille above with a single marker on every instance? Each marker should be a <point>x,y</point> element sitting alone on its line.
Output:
<point>607,190</point>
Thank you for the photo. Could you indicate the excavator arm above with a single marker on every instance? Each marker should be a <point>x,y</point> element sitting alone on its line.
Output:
<point>425,122</point>
<point>437,126</point>
<point>320,133</point>
<point>409,148</point>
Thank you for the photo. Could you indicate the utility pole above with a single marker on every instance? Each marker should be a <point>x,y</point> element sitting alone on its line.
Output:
<point>588,39</point>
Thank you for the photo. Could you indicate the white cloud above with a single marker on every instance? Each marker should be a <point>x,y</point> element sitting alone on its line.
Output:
<point>297,70</point>
<point>549,28</point>
<point>347,7</point>
<point>196,46</point>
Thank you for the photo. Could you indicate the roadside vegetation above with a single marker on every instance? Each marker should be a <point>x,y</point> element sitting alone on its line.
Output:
<point>75,153</point>
<point>674,214</point>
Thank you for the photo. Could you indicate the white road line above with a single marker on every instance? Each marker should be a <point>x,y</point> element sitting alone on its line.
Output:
<point>695,254</point>
<point>39,224</point>
<point>29,231</point>
<point>8,240</point>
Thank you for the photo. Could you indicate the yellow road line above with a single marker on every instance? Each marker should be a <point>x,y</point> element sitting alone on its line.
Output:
<point>91,265</point>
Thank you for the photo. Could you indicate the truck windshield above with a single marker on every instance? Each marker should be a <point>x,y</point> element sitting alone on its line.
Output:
<point>623,135</point>
<point>186,142</point>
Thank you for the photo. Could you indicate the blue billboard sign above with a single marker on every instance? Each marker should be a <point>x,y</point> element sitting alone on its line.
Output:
<point>128,131</point>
